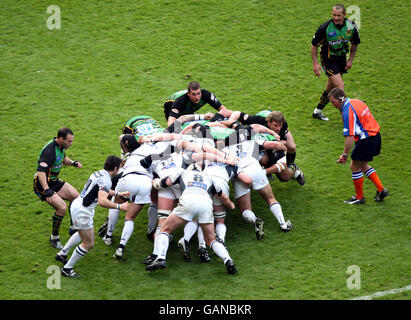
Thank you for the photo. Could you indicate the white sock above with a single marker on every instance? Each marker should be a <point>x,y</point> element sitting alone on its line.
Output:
<point>152,217</point>
<point>112,220</point>
<point>221,230</point>
<point>249,216</point>
<point>127,231</point>
<point>162,244</point>
<point>189,230</point>
<point>73,241</point>
<point>220,250</point>
<point>155,249</point>
<point>78,253</point>
<point>200,237</point>
<point>278,213</point>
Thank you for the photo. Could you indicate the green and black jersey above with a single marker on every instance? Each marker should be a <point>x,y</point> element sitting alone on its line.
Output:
<point>50,159</point>
<point>142,125</point>
<point>184,105</point>
<point>334,39</point>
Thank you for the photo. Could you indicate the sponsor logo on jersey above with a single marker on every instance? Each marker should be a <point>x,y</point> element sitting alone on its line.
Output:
<point>58,166</point>
<point>197,185</point>
<point>332,33</point>
<point>171,165</point>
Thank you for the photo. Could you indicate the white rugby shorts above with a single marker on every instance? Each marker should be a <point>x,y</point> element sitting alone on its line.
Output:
<point>82,217</point>
<point>191,206</point>
<point>138,185</point>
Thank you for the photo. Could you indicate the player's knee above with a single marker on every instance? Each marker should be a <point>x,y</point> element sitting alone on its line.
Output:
<point>61,208</point>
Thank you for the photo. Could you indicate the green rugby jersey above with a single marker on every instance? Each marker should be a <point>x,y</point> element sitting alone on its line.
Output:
<point>50,159</point>
<point>142,125</point>
<point>334,40</point>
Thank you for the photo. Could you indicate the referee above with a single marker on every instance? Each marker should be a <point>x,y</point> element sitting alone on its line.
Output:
<point>333,36</point>
<point>361,127</point>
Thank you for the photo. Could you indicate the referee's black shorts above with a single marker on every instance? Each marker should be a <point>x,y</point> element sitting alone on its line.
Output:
<point>333,65</point>
<point>366,149</point>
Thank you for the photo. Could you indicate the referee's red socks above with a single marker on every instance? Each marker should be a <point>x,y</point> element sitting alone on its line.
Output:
<point>358,179</point>
<point>373,176</point>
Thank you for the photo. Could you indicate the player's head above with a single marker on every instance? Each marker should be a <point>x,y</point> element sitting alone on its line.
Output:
<point>275,120</point>
<point>128,142</point>
<point>338,14</point>
<point>65,137</point>
<point>113,163</point>
<point>194,92</point>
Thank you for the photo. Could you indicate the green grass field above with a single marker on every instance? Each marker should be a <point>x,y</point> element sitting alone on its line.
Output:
<point>115,59</point>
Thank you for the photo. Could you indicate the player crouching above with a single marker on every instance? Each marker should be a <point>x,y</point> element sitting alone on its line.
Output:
<point>195,201</point>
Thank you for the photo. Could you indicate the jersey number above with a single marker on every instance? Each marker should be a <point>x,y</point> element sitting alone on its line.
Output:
<point>198,178</point>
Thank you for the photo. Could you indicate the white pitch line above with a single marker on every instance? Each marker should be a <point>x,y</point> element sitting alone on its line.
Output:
<point>384,293</point>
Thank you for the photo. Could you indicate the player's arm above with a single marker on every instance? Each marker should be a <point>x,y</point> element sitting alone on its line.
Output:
<point>68,162</point>
<point>318,39</point>
<point>274,145</point>
<point>314,57</point>
<point>159,137</point>
<point>42,177</point>
<point>229,159</point>
<point>174,115</point>
<point>104,202</point>
<point>189,146</point>
<point>350,60</point>
<point>45,163</point>
<point>224,111</point>
<point>167,181</point>
<point>234,116</point>
<point>225,200</point>
<point>124,194</point>
<point>175,111</point>
<point>263,129</point>
<point>355,41</point>
<point>198,157</point>
<point>193,117</point>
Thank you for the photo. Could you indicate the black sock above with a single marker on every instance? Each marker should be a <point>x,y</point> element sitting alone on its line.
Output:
<point>323,100</point>
<point>57,220</point>
<point>290,158</point>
